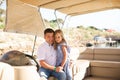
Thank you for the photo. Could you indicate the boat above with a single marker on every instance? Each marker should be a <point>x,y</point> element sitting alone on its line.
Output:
<point>90,63</point>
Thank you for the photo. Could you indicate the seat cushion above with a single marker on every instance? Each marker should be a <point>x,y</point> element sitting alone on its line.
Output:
<point>79,64</point>
<point>6,71</point>
<point>26,73</point>
<point>109,64</point>
<point>107,54</point>
<point>98,78</point>
<point>52,78</point>
<point>109,69</point>
<point>79,69</point>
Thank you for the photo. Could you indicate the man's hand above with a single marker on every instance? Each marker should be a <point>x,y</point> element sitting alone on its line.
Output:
<point>59,69</point>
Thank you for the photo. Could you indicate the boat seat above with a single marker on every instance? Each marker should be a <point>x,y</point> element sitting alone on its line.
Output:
<point>26,73</point>
<point>78,69</point>
<point>109,64</point>
<point>98,78</point>
<point>108,69</point>
<point>6,71</point>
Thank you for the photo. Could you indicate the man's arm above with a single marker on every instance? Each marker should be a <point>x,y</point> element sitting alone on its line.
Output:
<point>47,66</point>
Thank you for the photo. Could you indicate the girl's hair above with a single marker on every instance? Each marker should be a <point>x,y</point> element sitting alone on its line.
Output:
<point>62,35</point>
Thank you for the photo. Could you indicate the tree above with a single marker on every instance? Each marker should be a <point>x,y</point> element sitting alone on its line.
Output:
<point>1,1</point>
<point>92,27</point>
<point>54,23</point>
<point>81,27</point>
<point>2,18</point>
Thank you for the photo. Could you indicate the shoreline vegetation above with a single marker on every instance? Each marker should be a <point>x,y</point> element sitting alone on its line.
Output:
<point>76,37</point>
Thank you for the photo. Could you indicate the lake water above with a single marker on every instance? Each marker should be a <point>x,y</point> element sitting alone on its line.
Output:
<point>104,45</point>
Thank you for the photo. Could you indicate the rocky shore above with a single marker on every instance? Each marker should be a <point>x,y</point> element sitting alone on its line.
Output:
<point>21,42</point>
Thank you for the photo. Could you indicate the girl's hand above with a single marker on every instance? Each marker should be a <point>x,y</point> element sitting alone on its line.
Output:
<point>59,69</point>
<point>71,63</point>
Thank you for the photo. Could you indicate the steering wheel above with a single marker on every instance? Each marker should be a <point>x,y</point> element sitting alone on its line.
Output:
<point>31,57</point>
<point>17,58</point>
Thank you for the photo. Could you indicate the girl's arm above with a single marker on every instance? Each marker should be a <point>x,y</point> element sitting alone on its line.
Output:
<point>64,51</point>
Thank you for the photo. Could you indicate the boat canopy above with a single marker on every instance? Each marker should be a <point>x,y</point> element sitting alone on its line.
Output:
<point>75,7</point>
<point>23,15</point>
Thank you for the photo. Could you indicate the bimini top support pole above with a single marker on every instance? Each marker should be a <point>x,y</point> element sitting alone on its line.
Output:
<point>64,21</point>
<point>57,19</point>
<point>34,45</point>
<point>36,35</point>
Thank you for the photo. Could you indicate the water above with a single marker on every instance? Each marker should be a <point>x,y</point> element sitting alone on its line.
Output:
<point>106,45</point>
<point>118,45</point>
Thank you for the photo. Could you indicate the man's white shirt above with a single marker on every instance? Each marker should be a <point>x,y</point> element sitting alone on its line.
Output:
<point>48,53</point>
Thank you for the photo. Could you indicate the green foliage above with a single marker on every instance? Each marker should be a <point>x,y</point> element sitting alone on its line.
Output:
<point>92,27</point>
<point>53,25</point>
<point>80,36</point>
<point>1,20</point>
<point>60,21</point>
<point>2,26</point>
<point>81,27</point>
<point>80,33</point>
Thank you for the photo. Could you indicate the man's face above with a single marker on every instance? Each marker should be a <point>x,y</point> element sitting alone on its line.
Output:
<point>49,37</point>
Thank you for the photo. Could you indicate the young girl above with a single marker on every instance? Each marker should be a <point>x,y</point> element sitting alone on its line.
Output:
<point>62,53</point>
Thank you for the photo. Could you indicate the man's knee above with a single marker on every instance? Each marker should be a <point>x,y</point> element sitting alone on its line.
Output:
<point>44,73</point>
<point>62,75</point>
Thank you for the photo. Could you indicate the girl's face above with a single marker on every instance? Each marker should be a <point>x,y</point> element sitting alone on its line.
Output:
<point>58,38</point>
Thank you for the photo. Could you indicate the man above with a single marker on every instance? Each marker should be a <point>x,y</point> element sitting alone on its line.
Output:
<point>47,58</point>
